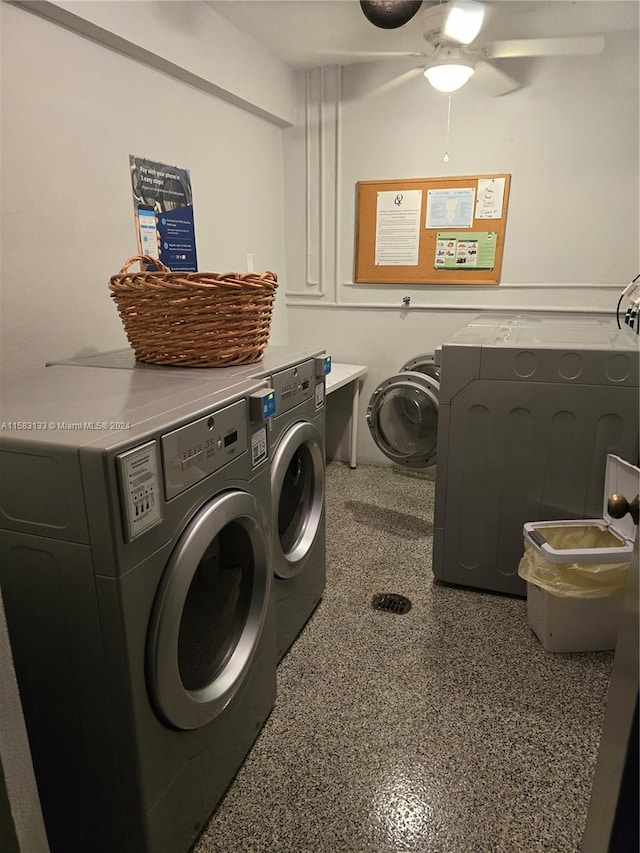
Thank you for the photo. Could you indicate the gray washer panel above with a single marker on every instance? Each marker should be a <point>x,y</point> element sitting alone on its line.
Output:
<point>525,446</point>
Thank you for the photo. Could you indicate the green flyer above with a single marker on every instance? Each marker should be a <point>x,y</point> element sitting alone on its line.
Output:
<point>466,250</point>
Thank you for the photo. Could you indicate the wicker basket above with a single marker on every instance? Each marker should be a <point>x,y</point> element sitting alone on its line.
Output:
<point>196,319</point>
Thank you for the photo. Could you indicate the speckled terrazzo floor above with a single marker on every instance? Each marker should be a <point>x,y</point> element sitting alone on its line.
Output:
<point>445,730</point>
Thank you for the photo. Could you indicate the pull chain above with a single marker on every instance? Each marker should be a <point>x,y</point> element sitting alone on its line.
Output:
<point>446,145</point>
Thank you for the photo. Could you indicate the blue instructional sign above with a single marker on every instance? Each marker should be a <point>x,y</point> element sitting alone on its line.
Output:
<point>163,205</point>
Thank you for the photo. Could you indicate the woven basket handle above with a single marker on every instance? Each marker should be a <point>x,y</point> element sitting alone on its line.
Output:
<point>145,260</point>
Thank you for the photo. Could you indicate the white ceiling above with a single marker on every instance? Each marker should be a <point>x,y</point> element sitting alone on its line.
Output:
<point>301,32</point>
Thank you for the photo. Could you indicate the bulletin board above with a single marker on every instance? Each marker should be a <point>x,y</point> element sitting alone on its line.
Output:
<point>445,230</point>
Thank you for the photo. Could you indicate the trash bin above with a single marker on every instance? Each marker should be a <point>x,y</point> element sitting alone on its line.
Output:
<point>576,572</point>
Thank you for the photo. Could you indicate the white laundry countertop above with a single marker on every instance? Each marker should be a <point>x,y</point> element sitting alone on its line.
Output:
<point>342,374</point>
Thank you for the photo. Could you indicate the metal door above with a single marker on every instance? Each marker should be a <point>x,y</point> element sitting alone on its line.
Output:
<point>403,418</point>
<point>209,611</point>
<point>297,496</point>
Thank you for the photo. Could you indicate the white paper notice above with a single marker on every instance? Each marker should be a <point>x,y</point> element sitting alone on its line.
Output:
<point>451,208</point>
<point>490,198</point>
<point>398,228</point>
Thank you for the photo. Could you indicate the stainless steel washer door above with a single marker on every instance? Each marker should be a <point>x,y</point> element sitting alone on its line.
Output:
<point>297,497</point>
<point>403,418</point>
<point>209,611</point>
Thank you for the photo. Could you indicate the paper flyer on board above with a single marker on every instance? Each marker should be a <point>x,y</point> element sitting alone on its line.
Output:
<point>490,199</point>
<point>450,208</point>
<point>466,250</point>
<point>398,228</point>
<point>163,206</point>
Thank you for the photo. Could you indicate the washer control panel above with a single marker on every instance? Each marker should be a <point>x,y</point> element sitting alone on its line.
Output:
<point>138,478</point>
<point>293,386</point>
<point>195,450</point>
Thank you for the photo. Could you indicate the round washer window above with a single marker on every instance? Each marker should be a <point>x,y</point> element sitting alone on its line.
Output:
<point>297,490</point>
<point>216,607</point>
<point>408,422</point>
<point>402,416</point>
<point>295,497</point>
<point>209,611</point>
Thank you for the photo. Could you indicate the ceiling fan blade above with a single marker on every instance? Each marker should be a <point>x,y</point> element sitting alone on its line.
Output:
<point>558,46</point>
<point>493,80</point>
<point>368,54</point>
<point>392,84</point>
<point>454,21</point>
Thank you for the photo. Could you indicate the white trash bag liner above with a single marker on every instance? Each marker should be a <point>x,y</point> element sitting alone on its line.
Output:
<point>575,580</point>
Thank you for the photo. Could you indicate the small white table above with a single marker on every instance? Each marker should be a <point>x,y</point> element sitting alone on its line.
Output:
<point>344,374</point>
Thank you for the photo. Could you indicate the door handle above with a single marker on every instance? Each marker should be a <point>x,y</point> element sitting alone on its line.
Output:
<point>618,506</point>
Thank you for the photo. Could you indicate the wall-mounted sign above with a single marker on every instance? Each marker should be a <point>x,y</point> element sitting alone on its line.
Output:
<point>163,206</point>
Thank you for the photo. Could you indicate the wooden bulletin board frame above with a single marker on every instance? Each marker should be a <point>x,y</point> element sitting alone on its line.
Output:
<point>425,272</point>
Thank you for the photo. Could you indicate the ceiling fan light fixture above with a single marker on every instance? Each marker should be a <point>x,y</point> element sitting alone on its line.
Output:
<point>464,21</point>
<point>449,76</point>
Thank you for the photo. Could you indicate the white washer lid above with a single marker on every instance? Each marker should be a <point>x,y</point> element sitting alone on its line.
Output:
<point>624,479</point>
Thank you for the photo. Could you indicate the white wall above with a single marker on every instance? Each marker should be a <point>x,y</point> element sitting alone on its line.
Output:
<point>188,39</point>
<point>569,139</point>
<point>72,112</point>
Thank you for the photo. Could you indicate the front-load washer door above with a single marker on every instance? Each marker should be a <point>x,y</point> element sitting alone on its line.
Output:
<point>209,610</point>
<point>297,497</point>
<point>403,418</point>
<point>423,363</point>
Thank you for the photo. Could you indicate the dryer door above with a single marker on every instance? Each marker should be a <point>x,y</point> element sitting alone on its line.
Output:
<point>209,611</point>
<point>423,363</point>
<point>403,418</point>
<point>297,496</point>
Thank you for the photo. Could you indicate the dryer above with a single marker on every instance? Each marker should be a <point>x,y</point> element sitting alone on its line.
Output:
<point>135,540</point>
<point>530,407</point>
<point>296,438</point>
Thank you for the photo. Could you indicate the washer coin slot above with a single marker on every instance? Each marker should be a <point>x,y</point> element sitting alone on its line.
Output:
<point>262,405</point>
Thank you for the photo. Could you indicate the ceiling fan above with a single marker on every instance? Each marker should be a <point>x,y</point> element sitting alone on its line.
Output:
<point>453,51</point>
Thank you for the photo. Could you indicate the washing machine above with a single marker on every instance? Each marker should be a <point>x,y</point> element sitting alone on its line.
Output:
<point>530,408</point>
<point>135,541</point>
<point>297,443</point>
<point>402,413</point>
<point>296,438</point>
